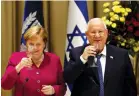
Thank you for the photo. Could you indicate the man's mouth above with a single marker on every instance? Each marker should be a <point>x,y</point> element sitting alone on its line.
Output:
<point>97,41</point>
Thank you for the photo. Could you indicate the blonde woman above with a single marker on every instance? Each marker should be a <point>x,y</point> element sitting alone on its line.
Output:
<point>34,72</point>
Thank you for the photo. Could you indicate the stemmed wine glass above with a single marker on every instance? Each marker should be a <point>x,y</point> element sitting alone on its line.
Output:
<point>29,54</point>
<point>96,45</point>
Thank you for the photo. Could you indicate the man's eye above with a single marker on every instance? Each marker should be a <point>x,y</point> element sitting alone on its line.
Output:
<point>31,44</point>
<point>93,32</point>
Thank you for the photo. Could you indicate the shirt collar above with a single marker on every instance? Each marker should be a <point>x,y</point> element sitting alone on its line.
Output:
<point>104,51</point>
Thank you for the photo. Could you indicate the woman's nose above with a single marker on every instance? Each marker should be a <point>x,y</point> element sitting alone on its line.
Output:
<point>35,47</point>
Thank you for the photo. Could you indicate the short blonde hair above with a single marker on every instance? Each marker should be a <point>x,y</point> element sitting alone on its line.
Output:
<point>36,30</point>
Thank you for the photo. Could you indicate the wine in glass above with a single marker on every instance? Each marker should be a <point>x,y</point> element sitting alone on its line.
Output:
<point>29,53</point>
<point>96,45</point>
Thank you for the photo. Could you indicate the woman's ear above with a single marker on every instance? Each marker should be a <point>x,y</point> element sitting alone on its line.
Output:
<point>44,47</point>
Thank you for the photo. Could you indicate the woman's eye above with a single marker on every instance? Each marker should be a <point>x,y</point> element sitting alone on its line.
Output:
<point>38,44</point>
<point>31,44</point>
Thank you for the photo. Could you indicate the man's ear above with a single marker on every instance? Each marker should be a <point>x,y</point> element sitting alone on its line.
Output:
<point>86,33</point>
<point>107,32</point>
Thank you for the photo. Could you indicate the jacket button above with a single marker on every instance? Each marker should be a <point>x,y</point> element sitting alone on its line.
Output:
<point>37,73</point>
<point>38,90</point>
<point>38,81</point>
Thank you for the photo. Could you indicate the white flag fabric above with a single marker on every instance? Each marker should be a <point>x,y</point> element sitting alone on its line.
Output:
<point>77,24</point>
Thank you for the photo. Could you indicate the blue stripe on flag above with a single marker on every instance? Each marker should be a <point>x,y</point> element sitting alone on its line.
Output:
<point>32,6</point>
<point>83,8</point>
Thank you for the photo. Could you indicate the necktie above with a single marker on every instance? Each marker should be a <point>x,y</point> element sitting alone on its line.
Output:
<point>101,93</point>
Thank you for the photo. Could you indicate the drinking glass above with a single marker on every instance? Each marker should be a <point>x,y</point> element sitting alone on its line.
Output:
<point>96,45</point>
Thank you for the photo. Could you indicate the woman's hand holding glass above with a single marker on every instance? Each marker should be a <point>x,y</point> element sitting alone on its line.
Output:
<point>26,61</point>
<point>47,90</point>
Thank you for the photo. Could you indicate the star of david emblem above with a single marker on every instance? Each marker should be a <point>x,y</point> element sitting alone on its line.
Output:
<point>76,38</point>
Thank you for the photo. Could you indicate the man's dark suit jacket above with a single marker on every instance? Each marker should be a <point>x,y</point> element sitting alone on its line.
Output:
<point>119,78</point>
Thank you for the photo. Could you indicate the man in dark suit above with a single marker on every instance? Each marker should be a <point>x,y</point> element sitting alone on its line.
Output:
<point>109,75</point>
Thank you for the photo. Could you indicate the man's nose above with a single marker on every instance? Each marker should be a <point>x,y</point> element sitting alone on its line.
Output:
<point>97,34</point>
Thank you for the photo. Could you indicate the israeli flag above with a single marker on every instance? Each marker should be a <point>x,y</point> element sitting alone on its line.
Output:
<point>77,24</point>
<point>33,15</point>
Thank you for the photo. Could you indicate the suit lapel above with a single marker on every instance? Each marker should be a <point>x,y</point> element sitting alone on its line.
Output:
<point>109,63</point>
<point>93,71</point>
